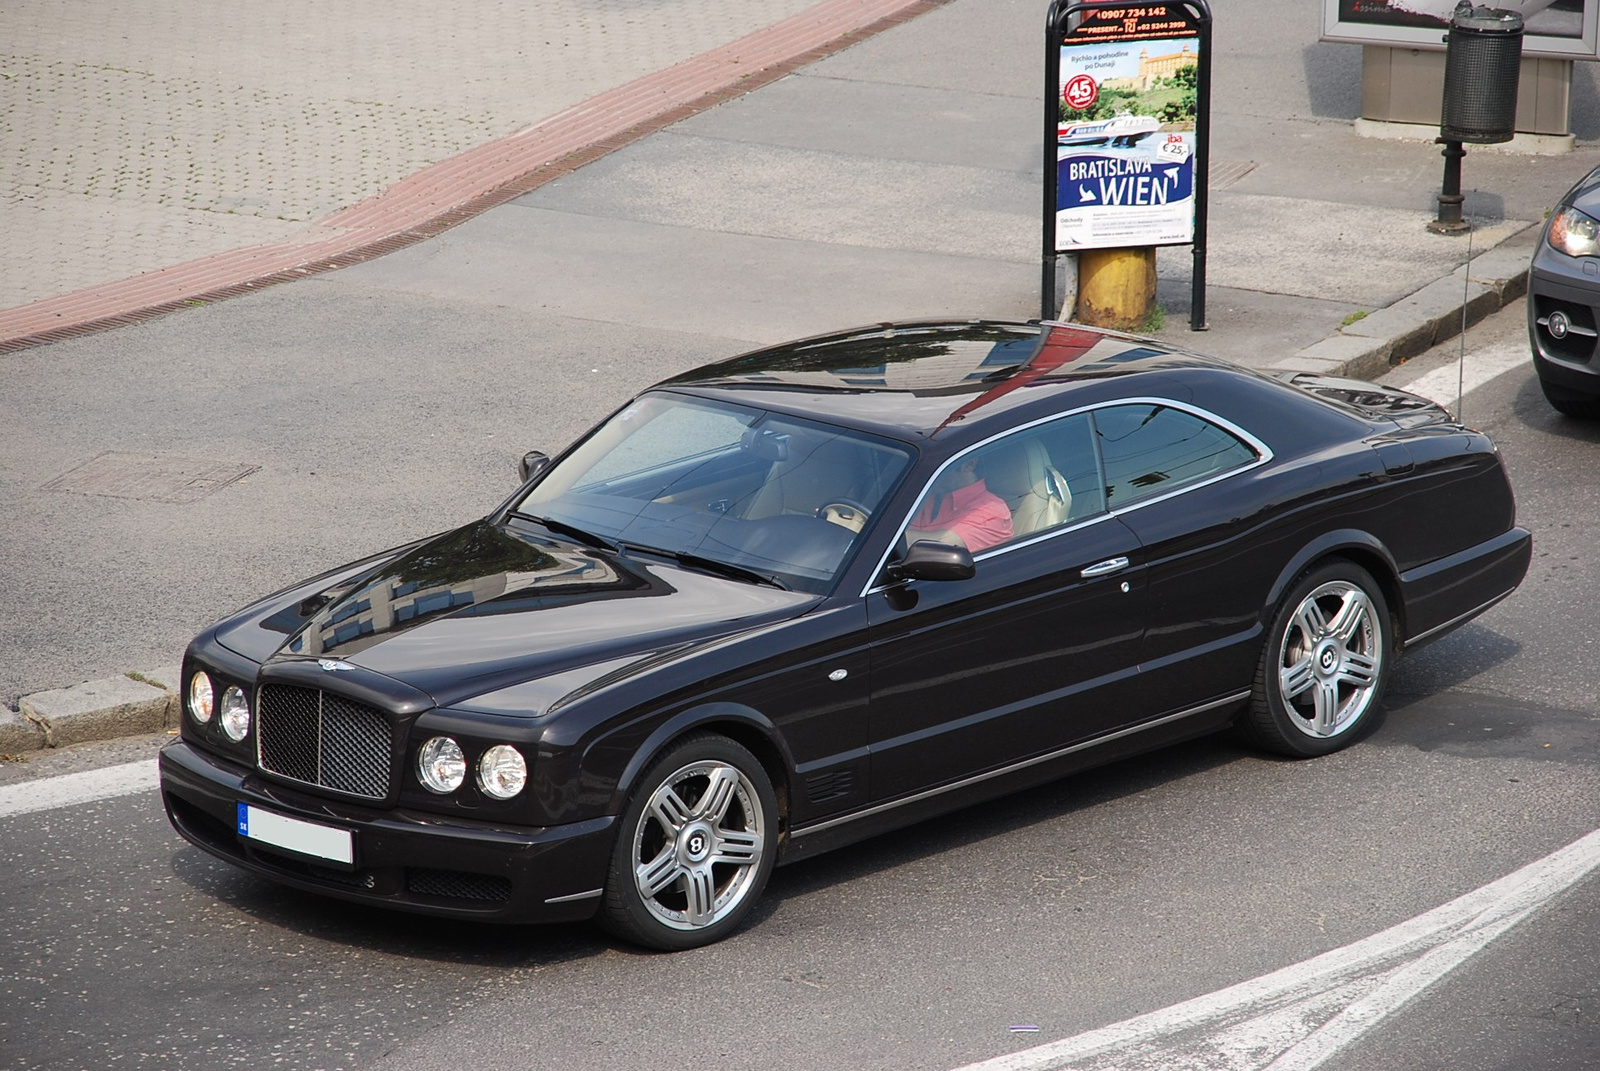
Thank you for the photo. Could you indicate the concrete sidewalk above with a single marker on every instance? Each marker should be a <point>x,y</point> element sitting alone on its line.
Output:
<point>624,228</point>
<point>140,137</point>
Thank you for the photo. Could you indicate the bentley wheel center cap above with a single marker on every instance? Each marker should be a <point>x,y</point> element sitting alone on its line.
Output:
<point>696,844</point>
<point>1328,658</point>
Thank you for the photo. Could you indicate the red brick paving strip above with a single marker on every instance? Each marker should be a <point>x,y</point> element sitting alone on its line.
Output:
<point>455,190</point>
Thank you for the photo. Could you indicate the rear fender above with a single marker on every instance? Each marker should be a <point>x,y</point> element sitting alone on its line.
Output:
<point>1358,546</point>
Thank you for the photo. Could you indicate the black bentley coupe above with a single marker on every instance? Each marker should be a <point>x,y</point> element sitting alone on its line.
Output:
<point>819,591</point>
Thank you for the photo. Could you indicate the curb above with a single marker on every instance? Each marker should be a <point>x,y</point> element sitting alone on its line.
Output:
<point>1369,347</point>
<point>133,704</point>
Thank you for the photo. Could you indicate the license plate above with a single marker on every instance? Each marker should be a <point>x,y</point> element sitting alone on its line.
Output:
<point>307,838</point>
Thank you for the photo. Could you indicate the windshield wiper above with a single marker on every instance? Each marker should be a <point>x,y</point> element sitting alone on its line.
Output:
<point>711,565</point>
<point>572,531</point>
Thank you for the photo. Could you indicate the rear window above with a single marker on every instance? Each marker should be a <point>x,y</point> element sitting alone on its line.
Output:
<point>1150,449</point>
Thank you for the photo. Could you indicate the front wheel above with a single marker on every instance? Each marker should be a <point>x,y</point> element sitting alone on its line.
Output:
<point>694,848</point>
<point>1324,665</point>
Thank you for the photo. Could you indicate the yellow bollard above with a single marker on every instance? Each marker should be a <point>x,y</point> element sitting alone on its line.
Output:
<point>1116,287</point>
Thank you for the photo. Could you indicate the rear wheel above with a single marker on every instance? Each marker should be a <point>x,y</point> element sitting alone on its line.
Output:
<point>695,846</point>
<point>1324,665</point>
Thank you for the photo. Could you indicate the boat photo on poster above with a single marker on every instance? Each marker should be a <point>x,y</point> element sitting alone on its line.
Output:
<point>1125,147</point>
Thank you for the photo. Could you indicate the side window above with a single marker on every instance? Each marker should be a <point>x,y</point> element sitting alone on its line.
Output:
<point>1013,488</point>
<point>1070,446</point>
<point>1151,449</point>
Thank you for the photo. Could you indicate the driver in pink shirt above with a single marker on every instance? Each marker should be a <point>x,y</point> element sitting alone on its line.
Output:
<point>962,511</point>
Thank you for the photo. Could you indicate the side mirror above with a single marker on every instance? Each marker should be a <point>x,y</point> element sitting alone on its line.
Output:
<point>533,463</point>
<point>927,560</point>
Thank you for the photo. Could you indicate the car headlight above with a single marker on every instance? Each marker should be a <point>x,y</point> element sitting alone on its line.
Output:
<point>234,713</point>
<point>502,772</point>
<point>1575,234</point>
<point>200,697</point>
<point>441,766</point>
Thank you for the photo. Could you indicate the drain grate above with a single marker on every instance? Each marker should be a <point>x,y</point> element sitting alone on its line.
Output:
<point>149,477</point>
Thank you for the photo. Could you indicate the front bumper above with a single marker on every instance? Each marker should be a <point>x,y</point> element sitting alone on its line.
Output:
<point>405,860</point>
<point>1570,287</point>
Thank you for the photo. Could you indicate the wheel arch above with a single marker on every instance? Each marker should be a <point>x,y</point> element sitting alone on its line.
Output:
<point>1361,548</point>
<point>744,725</point>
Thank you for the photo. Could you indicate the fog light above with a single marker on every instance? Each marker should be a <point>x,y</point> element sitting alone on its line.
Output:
<point>441,766</point>
<point>502,772</point>
<point>200,697</point>
<point>235,713</point>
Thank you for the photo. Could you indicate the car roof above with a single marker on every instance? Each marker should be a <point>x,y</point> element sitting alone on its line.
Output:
<point>927,379</point>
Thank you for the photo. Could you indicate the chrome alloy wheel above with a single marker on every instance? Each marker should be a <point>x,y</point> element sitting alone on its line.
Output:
<point>698,845</point>
<point>1332,655</point>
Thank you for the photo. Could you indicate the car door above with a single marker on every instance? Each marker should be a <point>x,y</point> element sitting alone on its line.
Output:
<point>1036,651</point>
<point>1186,482</point>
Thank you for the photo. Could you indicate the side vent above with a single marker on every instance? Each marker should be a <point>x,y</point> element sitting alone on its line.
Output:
<point>830,786</point>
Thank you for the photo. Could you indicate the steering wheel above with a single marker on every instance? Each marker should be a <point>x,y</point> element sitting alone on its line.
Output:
<point>845,513</point>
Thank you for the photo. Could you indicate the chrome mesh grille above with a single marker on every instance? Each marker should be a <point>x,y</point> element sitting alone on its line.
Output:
<point>325,740</point>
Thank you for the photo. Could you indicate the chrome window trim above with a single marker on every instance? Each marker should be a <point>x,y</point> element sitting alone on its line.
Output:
<point>1264,455</point>
<point>1084,745</point>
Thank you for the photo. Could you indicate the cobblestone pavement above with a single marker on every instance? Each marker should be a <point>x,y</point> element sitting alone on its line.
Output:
<point>136,134</point>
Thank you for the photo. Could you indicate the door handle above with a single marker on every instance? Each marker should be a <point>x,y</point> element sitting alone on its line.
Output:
<point>1105,568</point>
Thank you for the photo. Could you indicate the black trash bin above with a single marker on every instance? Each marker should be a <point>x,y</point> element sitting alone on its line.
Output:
<point>1483,60</point>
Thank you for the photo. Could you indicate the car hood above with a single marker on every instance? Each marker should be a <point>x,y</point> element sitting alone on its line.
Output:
<point>1585,194</point>
<point>490,605</point>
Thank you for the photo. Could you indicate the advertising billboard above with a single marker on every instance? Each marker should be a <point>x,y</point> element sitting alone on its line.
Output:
<point>1125,143</point>
<point>1563,29</point>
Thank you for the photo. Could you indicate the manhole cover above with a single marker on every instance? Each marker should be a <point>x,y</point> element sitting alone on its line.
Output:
<point>149,477</point>
<point>1225,173</point>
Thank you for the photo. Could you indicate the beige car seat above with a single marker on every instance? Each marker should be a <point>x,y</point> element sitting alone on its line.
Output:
<point>1020,473</point>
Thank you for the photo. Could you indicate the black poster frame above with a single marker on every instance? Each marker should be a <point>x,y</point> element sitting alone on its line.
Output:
<point>1057,25</point>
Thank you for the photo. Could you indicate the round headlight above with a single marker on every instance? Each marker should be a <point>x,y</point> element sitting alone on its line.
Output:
<point>441,766</point>
<point>200,697</point>
<point>234,713</point>
<point>502,772</point>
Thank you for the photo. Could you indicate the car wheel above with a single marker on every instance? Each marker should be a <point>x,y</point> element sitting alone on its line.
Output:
<point>694,848</point>
<point>1571,403</point>
<point>1324,665</point>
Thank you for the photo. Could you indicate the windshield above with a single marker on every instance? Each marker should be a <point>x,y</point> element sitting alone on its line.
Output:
<point>775,496</point>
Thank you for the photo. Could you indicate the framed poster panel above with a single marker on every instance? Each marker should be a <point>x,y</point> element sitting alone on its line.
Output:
<point>1561,29</point>
<point>1128,91</point>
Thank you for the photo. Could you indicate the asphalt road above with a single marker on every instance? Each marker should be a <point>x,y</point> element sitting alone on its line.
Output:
<point>1068,908</point>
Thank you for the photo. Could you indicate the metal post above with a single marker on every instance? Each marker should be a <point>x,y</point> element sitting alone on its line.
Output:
<point>1202,170</point>
<point>1048,310</point>
<point>1450,196</point>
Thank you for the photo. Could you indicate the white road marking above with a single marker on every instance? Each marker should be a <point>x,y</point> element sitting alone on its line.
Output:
<point>67,790</point>
<point>1297,1018</point>
<point>1446,384</point>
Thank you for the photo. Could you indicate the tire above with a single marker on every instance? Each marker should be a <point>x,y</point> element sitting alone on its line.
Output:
<point>1320,679</point>
<point>695,846</point>
<point>1570,402</point>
